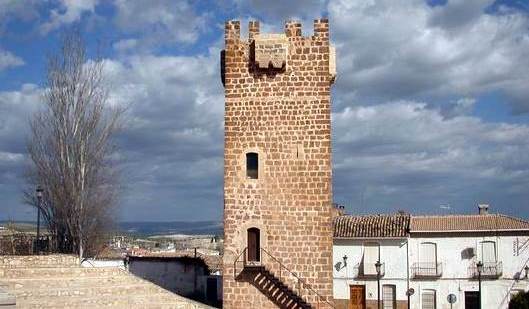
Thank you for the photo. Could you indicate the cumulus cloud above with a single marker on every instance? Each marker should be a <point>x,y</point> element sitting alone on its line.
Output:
<point>404,131</point>
<point>160,22</point>
<point>18,9</point>
<point>280,11</point>
<point>456,14</point>
<point>15,108</point>
<point>174,122</point>
<point>404,155</point>
<point>170,145</point>
<point>8,60</point>
<point>408,49</point>
<point>125,45</point>
<point>69,11</point>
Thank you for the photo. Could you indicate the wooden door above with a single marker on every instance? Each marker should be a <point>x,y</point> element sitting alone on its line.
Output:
<point>357,297</point>
<point>254,247</point>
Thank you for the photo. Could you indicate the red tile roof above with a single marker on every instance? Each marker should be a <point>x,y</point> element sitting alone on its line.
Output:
<point>458,223</point>
<point>398,225</point>
<point>373,226</point>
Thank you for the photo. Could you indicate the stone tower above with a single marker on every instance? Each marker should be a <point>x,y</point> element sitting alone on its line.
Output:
<point>277,167</point>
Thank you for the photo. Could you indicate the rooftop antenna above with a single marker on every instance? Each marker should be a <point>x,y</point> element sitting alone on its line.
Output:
<point>362,197</point>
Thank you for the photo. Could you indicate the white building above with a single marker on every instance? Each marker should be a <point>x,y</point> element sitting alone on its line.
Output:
<point>433,256</point>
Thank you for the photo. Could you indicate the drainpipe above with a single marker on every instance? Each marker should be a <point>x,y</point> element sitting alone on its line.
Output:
<point>408,273</point>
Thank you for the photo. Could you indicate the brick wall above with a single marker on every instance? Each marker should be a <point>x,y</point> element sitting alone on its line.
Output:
<point>282,112</point>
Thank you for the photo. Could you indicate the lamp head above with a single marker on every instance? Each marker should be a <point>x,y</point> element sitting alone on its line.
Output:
<point>377,266</point>
<point>39,191</point>
<point>479,266</point>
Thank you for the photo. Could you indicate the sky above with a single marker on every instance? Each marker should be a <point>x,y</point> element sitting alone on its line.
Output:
<point>430,105</point>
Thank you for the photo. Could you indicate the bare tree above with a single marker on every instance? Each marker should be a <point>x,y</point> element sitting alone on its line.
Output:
<point>72,150</point>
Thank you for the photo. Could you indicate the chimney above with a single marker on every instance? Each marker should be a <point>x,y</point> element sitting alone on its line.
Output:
<point>338,210</point>
<point>483,209</point>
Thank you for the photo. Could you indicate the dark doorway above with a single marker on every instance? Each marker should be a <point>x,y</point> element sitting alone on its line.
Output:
<point>211,290</point>
<point>254,246</point>
<point>472,300</point>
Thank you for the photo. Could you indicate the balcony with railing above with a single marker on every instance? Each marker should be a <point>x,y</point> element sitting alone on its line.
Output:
<point>427,270</point>
<point>367,271</point>
<point>491,270</point>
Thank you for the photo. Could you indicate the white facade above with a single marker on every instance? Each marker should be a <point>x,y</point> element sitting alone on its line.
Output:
<point>504,259</point>
<point>446,263</point>
<point>392,255</point>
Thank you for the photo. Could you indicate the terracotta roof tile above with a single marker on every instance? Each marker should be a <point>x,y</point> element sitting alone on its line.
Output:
<point>371,226</point>
<point>447,223</point>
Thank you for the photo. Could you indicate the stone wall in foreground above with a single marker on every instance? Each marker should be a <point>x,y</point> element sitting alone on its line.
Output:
<point>38,260</point>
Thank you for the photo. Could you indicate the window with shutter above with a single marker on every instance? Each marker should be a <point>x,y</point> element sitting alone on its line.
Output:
<point>488,252</point>
<point>388,297</point>
<point>371,256</point>
<point>428,258</point>
<point>428,299</point>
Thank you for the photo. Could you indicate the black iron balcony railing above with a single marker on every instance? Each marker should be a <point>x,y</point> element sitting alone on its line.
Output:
<point>489,270</point>
<point>364,270</point>
<point>427,270</point>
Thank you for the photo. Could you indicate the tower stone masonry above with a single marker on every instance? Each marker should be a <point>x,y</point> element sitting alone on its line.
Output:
<point>277,162</point>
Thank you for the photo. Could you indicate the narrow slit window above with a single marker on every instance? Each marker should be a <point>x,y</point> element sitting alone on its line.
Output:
<point>252,165</point>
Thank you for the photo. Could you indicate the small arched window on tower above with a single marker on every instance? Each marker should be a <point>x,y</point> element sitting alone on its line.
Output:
<point>252,165</point>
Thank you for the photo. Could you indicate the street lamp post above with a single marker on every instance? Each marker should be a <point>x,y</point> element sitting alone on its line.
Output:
<point>39,201</point>
<point>377,267</point>
<point>479,267</point>
<point>526,269</point>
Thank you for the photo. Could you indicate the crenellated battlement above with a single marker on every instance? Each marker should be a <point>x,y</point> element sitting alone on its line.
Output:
<point>271,54</point>
<point>232,31</point>
<point>293,29</point>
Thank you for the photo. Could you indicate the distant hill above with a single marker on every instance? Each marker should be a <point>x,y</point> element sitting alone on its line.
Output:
<point>146,228</point>
<point>170,228</point>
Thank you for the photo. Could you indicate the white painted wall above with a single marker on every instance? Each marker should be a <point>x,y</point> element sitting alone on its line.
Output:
<point>455,278</point>
<point>103,263</point>
<point>392,253</point>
